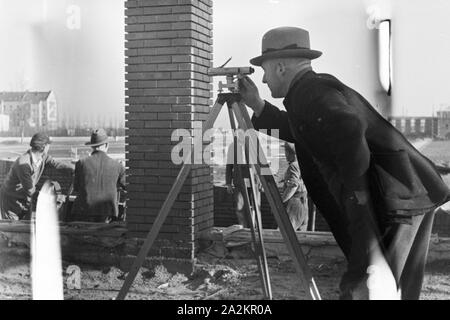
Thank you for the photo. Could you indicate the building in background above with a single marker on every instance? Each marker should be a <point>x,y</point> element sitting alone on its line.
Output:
<point>29,111</point>
<point>443,124</point>
<point>437,127</point>
<point>416,127</point>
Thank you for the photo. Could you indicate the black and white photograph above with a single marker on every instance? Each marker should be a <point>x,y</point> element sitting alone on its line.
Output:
<point>224,154</point>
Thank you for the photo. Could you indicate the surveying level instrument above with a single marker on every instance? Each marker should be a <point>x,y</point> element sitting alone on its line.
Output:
<point>231,74</point>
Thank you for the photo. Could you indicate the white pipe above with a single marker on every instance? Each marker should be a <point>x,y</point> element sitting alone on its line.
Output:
<point>46,269</point>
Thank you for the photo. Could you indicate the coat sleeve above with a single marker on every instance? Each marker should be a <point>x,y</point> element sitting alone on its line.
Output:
<point>59,165</point>
<point>229,167</point>
<point>339,135</point>
<point>26,180</point>
<point>274,118</point>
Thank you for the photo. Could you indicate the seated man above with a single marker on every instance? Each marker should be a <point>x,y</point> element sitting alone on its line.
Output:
<point>20,183</point>
<point>97,178</point>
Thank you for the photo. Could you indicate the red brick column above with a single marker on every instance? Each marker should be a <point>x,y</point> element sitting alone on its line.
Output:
<point>168,51</point>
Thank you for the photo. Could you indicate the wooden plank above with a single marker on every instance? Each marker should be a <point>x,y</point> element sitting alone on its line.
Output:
<point>259,227</point>
<point>274,236</point>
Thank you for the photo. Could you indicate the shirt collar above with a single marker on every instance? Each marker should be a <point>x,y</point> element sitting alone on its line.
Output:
<point>36,161</point>
<point>98,151</point>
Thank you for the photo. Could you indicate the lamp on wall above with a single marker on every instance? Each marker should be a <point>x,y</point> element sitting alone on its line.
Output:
<point>385,55</point>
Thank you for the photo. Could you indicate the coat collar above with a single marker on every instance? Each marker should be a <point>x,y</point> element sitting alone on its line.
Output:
<point>99,153</point>
<point>35,163</point>
<point>298,80</point>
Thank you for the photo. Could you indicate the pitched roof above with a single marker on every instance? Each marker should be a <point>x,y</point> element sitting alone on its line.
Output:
<point>36,97</point>
<point>11,96</point>
<point>32,96</point>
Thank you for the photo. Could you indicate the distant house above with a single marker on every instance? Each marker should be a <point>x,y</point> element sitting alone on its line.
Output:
<point>443,119</point>
<point>415,127</point>
<point>30,110</point>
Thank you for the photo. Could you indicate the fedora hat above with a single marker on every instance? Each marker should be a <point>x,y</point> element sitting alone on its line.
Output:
<point>285,42</point>
<point>98,137</point>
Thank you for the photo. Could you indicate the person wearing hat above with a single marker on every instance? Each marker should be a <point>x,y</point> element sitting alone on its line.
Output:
<point>20,183</point>
<point>96,182</point>
<point>377,192</point>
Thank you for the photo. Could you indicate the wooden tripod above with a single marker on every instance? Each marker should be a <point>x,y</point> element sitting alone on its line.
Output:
<point>235,105</point>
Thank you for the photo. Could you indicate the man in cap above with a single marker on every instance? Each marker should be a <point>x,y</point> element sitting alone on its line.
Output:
<point>20,183</point>
<point>97,180</point>
<point>378,194</point>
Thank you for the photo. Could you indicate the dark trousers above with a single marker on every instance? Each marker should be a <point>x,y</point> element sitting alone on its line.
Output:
<point>405,249</point>
<point>407,253</point>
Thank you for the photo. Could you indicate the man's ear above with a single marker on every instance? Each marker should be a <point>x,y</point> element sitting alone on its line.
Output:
<point>281,67</point>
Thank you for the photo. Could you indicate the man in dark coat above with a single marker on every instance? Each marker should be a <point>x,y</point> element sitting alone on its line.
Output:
<point>97,180</point>
<point>376,191</point>
<point>20,183</point>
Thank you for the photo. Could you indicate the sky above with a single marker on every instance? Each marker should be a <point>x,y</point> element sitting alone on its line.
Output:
<point>343,31</point>
<point>48,44</point>
<point>73,47</point>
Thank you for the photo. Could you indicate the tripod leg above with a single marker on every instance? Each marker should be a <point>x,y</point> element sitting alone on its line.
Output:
<point>156,227</point>
<point>274,198</point>
<point>249,216</point>
<point>260,232</point>
<point>311,215</point>
<point>165,209</point>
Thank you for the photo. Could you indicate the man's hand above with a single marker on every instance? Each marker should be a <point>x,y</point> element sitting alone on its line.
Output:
<point>250,95</point>
<point>229,188</point>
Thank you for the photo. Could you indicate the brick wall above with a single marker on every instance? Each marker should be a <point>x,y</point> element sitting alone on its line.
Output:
<point>224,210</point>
<point>224,215</point>
<point>168,52</point>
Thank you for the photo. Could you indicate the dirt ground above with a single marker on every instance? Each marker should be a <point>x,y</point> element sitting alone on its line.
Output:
<point>224,279</point>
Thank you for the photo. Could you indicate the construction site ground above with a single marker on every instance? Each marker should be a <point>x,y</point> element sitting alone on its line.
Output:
<point>214,278</point>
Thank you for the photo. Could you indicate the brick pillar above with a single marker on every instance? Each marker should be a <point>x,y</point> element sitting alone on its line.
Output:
<point>168,51</point>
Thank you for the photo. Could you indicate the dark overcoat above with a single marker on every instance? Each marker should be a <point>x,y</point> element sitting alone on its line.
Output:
<point>97,180</point>
<point>340,137</point>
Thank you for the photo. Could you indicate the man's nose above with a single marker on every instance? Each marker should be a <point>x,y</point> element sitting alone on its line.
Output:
<point>264,78</point>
